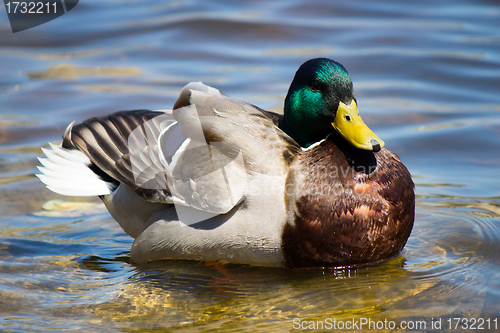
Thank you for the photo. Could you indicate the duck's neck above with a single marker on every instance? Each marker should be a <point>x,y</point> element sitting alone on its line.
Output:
<point>304,117</point>
<point>306,126</point>
<point>304,139</point>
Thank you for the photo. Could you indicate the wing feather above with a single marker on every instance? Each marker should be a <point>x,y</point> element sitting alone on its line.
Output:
<point>201,155</point>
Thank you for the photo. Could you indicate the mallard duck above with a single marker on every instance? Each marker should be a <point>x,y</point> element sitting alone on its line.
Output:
<point>218,179</point>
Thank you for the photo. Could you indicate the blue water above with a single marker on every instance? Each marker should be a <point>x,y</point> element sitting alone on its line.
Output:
<point>426,76</point>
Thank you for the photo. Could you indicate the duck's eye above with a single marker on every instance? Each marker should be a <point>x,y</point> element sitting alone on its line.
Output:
<point>347,117</point>
<point>315,87</point>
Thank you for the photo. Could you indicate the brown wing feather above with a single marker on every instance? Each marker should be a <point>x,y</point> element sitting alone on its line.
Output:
<point>106,141</point>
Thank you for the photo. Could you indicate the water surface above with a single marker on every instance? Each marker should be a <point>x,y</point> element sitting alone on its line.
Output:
<point>426,76</point>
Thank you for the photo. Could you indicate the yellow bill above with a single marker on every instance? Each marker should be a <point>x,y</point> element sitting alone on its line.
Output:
<point>349,124</point>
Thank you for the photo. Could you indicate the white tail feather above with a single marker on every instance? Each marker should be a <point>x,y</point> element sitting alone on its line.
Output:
<point>67,172</point>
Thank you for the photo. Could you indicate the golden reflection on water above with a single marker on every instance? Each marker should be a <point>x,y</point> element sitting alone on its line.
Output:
<point>231,296</point>
<point>72,72</point>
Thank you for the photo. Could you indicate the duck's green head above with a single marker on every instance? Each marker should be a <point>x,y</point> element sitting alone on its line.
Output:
<point>321,99</point>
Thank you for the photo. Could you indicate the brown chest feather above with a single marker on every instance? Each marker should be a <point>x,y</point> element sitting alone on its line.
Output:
<point>346,206</point>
